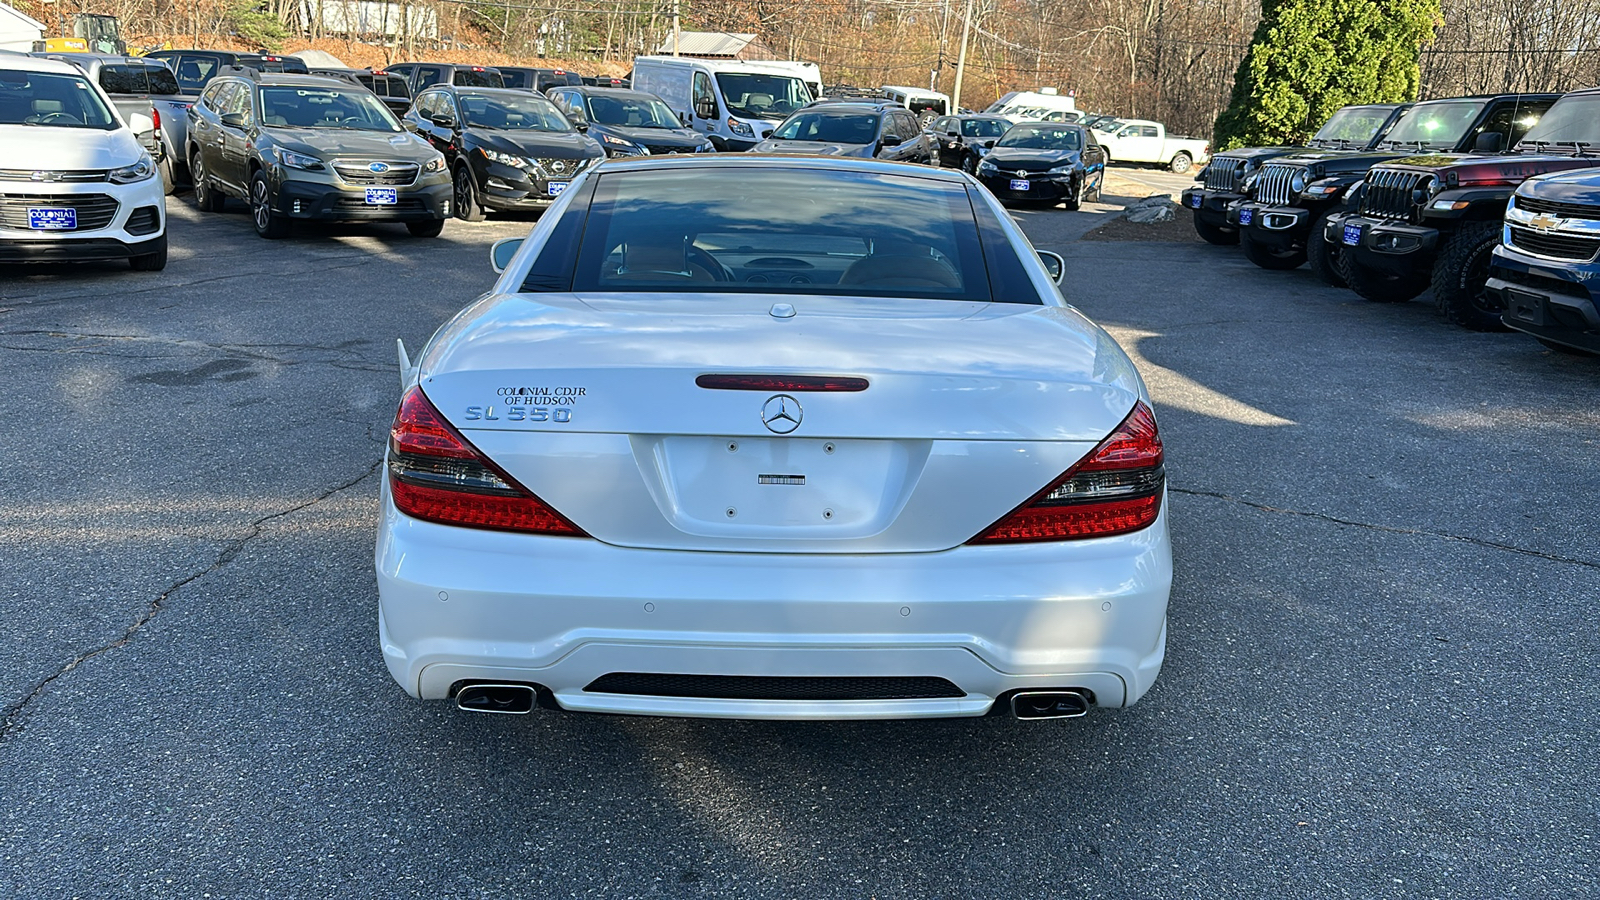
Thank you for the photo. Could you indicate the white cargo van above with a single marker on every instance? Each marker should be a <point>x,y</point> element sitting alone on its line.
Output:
<point>735,104</point>
<point>1013,105</point>
<point>927,105</point>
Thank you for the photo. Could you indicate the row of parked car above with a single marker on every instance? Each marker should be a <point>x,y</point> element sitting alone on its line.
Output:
<point>1492,202</point>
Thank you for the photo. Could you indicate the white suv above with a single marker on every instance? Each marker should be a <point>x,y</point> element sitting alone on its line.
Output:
<point>74,182</point>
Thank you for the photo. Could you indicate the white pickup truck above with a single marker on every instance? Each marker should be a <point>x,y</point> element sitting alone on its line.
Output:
<point>1143,141</point>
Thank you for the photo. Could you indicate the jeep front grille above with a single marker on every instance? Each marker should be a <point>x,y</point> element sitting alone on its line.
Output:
<point>1223,174</point>
<point>95,211</point>
<point>1553,208</point>
<point>397,174</point>
<point>1388,194</point>
<point>1272,187</point>
<point>1554,246</point>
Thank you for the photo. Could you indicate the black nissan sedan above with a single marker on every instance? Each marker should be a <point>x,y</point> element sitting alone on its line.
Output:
<point>507,149</point>
<point>1044,163</point>
<point>627,123</point>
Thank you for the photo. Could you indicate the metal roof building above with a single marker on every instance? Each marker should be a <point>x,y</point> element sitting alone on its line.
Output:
<point>717,45</point>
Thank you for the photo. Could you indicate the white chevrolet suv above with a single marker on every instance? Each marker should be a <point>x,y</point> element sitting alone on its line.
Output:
<point>74,182</point>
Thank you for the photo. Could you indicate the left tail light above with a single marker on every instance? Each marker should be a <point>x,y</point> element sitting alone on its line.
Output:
<point>1114,490</point>
<point>436,475</point>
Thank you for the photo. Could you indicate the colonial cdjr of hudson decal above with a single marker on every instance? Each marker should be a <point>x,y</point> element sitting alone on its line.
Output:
<point>540,396</point>
<point>518,414</point>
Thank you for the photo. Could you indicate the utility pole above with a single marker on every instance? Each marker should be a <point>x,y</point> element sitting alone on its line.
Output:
<point>961,61</point>
<point>674,27</point>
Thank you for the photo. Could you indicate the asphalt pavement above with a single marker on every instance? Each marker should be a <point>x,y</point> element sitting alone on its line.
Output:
<point>1380,679</point>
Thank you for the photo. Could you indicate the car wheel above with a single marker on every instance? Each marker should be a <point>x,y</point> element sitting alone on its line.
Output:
<point>1460,276</point>
<point>168,183</point>
<point>1380,287</point>
<point>1270,257</point>
<point>1181,164</point>
<point>468,209</point>
<point>1215,234</point>
<point>206,197</point>
<point>154,261</point>
<point>268,223</point>
<point>1322,256</point>
<point>1074,197</point>
<point>425,228</point>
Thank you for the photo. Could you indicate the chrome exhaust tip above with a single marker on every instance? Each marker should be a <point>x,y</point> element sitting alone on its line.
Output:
<point>511,699</point>
<point>1069,704</point>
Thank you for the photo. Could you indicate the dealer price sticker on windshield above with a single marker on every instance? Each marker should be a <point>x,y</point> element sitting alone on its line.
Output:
<point>383,196</point>
<point>1020,184</point>
<point>50,218</point>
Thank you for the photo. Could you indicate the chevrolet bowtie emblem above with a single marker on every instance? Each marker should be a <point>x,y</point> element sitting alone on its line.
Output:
<point>1546,223</point>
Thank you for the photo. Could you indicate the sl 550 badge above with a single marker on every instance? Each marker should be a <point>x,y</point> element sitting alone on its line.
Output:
<point>518,414</point>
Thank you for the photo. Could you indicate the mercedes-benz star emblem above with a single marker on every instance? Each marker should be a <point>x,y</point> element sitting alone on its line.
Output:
<point>781,414</point>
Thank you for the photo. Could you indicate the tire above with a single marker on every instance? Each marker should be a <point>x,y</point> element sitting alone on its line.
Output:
<point>1181,164</point>
<point>425,228</point>
<point>468,209</point>
<point>1074,197</point>
<point>164,168</point>
<point>1322,256</point>
<point>269,224</point>
<point>1268,258</point>
<point>1380,287</point>
<point>1215,234</point>
<point>1459,276</point>
<point>206,197</point>
<point>154,261</point>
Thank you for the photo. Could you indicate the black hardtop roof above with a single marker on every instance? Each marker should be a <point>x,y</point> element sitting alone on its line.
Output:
<point>1508,95</point>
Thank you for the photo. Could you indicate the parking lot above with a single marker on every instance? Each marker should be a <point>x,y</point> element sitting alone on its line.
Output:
<point>1379,681</point>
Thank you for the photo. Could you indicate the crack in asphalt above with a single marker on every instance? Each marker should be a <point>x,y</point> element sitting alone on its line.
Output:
<point>24,301</point>
<point>11,716</point>
<point>1391,529</point>
<point>248,351</point>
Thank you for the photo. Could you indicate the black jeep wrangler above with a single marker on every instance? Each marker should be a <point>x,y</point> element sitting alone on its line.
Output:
<point>1217,188</point>
<point>1281,223</point>
<point>1434,220</point>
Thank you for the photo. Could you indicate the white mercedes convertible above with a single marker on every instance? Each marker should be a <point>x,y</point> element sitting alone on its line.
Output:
<point>776,438</point>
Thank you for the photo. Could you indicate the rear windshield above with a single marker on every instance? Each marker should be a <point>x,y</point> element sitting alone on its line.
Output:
<point>52,100</point>
<point>782,231</point>
<point>137,79</point>
<point>194,72</point>
<point>516,79</point>
<point>476,78</point>
<point>981,128</point>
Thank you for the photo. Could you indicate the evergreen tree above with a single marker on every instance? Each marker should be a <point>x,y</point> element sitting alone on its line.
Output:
<point>1310,57</point>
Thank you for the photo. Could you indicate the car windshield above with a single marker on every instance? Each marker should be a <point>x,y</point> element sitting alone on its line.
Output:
<point>1042,137</point>
<point>982,128</point>
<point>632,112</point>
<point>1574,121</point>
<point>1107,125</point>
<point>782,230</point>
<point>1435,124</point>
<point>829,127</point>
<point>762,96</point>
<point>512,112</point>
<point>194,72</point>
<point>52,100</point>
<point>1354,125</point>
<point>303,107</point>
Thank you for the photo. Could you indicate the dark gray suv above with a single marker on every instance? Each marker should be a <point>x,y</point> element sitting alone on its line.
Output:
<point>308,147</point>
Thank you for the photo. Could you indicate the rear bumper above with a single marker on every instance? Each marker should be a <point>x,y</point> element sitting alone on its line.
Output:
<point>1211,207</point>
<point>461,605</point>
<point>1383,244</point>
<point>1555,301</point>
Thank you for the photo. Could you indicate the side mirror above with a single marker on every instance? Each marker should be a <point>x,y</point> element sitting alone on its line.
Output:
<point>890,140</point>
<point>442,120</point>
<point>580,124</point>
<point>951,133</point>
<point>988,145</point>
<point>141,123</point>
<point>683,119</point>
<point>1054,264</point>
<point>1489,142</point>
<point>705,110</point>
<point>501,253</point>
<point>233,119</point>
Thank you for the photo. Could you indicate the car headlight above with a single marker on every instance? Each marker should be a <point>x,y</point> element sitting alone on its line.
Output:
<point>1297,181</point>
<point>434,165</point>
<point>1062,170</point>
<point>986,167</point>
<point>139,171</point>
<point>740,128</point>
<point>297,160</point>
<point>504,159</point>
<point>705,148</point>
<point>619,142</point>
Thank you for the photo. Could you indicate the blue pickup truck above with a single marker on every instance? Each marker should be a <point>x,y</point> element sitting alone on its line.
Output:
<point>1546,271</point>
